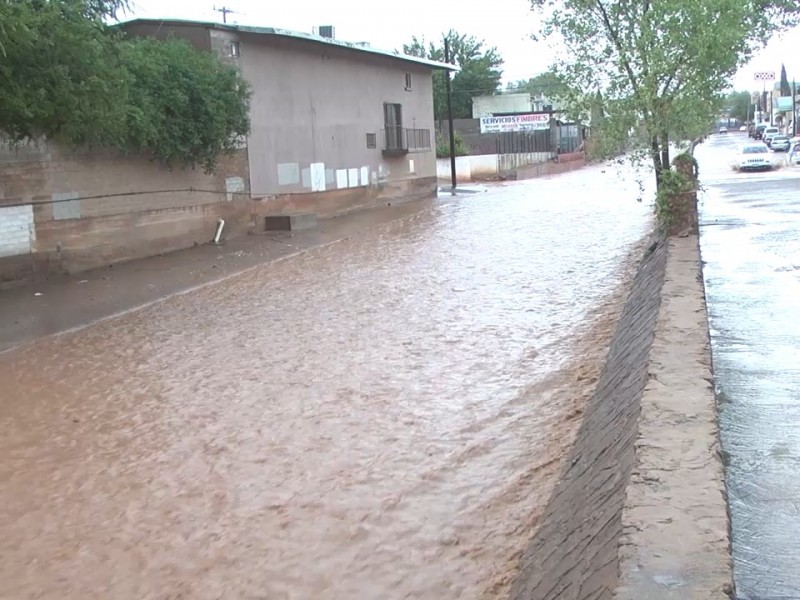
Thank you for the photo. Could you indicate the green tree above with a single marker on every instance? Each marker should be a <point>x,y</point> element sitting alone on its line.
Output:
<point>66,75</point>
<point>786,89</point>
<point>661,66</point>
<point>60,75</point>
<point>479,75</point>
<point>185,107</point>
<point>739,106</point>
<point>547,84</point>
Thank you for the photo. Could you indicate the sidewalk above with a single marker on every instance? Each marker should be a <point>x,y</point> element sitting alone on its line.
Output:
<point>32,310</point>
<point>676,542</point>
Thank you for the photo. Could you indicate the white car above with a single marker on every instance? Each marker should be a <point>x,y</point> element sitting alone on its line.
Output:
<point>769,133</point>
<point>754,157</point>
<point>743,128</point>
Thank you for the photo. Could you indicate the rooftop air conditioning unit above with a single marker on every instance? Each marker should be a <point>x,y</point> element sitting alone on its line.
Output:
<point>326,31</point>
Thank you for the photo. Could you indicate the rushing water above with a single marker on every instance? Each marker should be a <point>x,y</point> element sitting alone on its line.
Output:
<point>751,246</point>
<point>364,420</point>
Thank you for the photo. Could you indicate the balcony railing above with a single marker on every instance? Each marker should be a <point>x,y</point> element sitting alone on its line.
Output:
<point>400,140</point>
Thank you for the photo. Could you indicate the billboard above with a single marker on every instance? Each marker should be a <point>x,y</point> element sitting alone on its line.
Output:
<point>783,104</point>
<point>529,122</point>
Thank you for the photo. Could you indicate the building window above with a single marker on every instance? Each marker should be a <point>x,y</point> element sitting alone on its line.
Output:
<point>372,140</point>
<point>392,115</point>
<point>408,82</point>
<point>233,50</point>
<point>394,138</point>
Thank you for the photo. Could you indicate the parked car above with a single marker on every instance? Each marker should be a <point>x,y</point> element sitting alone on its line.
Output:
<point>758,132</point>
<point>779,143</point>
<point>722,130</point>
<point>743,128</point>
<point>769,133</point>
<point>754,157</point>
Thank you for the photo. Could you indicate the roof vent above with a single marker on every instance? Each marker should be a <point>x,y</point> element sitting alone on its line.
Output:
<point>326,31</point>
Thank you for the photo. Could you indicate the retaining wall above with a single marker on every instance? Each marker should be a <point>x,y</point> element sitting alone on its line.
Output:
<point>489,166</point>
<point>64,211</point>
<point>574,552</point>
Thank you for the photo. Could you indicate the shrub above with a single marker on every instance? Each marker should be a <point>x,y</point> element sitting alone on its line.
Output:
<point>443,145</point>
<point>184,106</point>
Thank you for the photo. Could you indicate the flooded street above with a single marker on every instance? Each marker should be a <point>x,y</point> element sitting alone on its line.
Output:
<point>750,238</point>
<point>379,418</point>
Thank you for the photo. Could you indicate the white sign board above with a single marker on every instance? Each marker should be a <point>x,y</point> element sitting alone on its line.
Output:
<point>764,76</point>
<point>530,122</point>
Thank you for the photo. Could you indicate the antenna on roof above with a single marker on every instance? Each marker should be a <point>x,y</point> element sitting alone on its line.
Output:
<point>225,12</point>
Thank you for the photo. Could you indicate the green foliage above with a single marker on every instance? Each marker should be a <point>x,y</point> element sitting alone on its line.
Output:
<point>739,106</point>
<point>786,89</point>
<point>66,75</point>
<point>685,161</point>
<point>672,184</point>
<point>480,74</point>
<point>547,84</point>
<point>443,145</point>
<point>184,105</point>
<point>60,76</point>
<point>660,66</point>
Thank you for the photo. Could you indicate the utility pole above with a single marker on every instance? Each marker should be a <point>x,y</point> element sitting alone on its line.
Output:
<point>225,12</point>
<point>794,108</point>
<point>450,115</point>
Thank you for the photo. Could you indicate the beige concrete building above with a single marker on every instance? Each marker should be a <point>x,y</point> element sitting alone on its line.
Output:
<point>325,115</point>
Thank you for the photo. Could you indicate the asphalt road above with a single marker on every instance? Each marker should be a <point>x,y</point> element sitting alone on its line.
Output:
<point>750,240</point>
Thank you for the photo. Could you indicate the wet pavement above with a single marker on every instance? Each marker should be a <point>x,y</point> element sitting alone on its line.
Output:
<point>750,240</point>
<point>371,418</point>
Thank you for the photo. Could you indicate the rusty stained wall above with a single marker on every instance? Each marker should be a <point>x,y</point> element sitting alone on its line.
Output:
<point>312,108</point>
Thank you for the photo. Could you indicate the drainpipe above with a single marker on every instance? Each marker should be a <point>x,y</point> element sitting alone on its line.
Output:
<point>218,234</point>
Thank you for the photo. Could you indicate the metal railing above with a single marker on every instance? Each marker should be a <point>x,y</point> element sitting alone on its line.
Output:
<point>400,140</point>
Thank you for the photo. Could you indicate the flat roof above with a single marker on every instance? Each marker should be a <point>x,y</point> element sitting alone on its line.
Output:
<point>297,35</point>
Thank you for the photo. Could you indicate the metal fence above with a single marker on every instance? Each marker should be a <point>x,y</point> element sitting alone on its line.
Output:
<point>563,138</point>
<point>518,142</point>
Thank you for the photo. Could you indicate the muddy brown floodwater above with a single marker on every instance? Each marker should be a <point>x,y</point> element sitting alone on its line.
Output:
<point>380,418</point>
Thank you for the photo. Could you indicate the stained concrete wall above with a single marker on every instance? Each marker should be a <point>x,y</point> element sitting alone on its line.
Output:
<point>574,553</point>
<point>313,106</point>
<point>525,165</point>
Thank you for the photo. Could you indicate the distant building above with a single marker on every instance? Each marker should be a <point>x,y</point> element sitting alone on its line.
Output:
<point>326,115</point>
<point>510,104</point>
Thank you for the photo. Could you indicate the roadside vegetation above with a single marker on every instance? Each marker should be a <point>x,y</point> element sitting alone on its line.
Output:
<point>68,76</point>
<point>657,71</point>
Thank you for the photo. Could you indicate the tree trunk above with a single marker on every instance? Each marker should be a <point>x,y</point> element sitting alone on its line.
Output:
<point>665,150</point>
<point>655,154</point>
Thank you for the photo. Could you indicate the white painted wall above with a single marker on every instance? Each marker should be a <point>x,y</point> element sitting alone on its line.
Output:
<point>486,106</point>
<point>483,166</point>
<point>17,232</point>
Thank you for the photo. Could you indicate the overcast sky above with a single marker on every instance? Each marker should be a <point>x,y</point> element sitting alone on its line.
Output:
<point>505,24</point>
